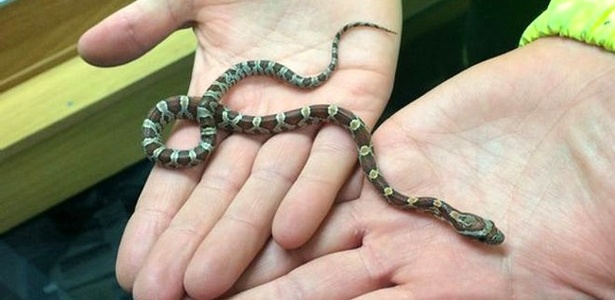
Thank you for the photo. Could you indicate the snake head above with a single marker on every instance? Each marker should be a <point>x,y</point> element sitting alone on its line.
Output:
<point>477,228</point>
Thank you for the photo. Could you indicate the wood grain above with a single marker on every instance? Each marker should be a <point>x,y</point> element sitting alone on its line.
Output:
<point>63,123</point>
<point>36,35</point>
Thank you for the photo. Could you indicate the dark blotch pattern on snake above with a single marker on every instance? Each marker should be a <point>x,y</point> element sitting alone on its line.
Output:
<point>211,115</point>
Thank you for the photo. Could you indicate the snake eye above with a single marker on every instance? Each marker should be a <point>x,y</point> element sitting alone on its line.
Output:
<point>491,235</point>
<point>495,238</point>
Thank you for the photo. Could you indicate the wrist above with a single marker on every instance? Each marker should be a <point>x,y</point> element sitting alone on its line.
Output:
<point>555,70</point>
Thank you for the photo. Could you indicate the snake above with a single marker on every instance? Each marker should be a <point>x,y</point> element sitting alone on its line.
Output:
<point>212,116</point>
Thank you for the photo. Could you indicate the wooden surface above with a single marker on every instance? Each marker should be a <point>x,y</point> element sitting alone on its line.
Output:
<point>61,125</point>
<point>36,35</point>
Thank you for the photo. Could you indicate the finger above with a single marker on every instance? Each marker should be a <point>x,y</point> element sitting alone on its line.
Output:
<point>132,31</point>
<point>341,275</point>
<point>246,225</point>
<point>163,194</point>
<point>394,292</point>
<point>341,231</point>
<point>168,260</point>
<point>351,189</point>
<point>310,198</point>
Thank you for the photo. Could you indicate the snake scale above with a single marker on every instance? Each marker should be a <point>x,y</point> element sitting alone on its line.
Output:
<point>211,116</point>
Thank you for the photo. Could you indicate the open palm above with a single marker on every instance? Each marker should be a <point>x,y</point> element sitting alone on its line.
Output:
<point>210,223</point>
<point>526,139</point>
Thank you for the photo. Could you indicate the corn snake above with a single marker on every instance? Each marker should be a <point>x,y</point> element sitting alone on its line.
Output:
<point>212,115</point>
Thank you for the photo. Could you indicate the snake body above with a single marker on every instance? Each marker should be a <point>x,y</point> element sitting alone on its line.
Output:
<point>211,115</point>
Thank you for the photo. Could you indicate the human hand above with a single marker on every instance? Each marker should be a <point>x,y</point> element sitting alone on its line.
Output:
<point>526,139</point>
<point>210,223</point>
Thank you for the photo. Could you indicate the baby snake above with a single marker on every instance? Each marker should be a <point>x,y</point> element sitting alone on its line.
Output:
<point>210,114</point>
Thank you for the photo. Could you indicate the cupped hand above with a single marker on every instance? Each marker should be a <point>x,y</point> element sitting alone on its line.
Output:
<point>526,139</point>
<point>195,231</point>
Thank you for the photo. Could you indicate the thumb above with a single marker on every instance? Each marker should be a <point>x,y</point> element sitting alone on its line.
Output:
<point>132,31</point>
